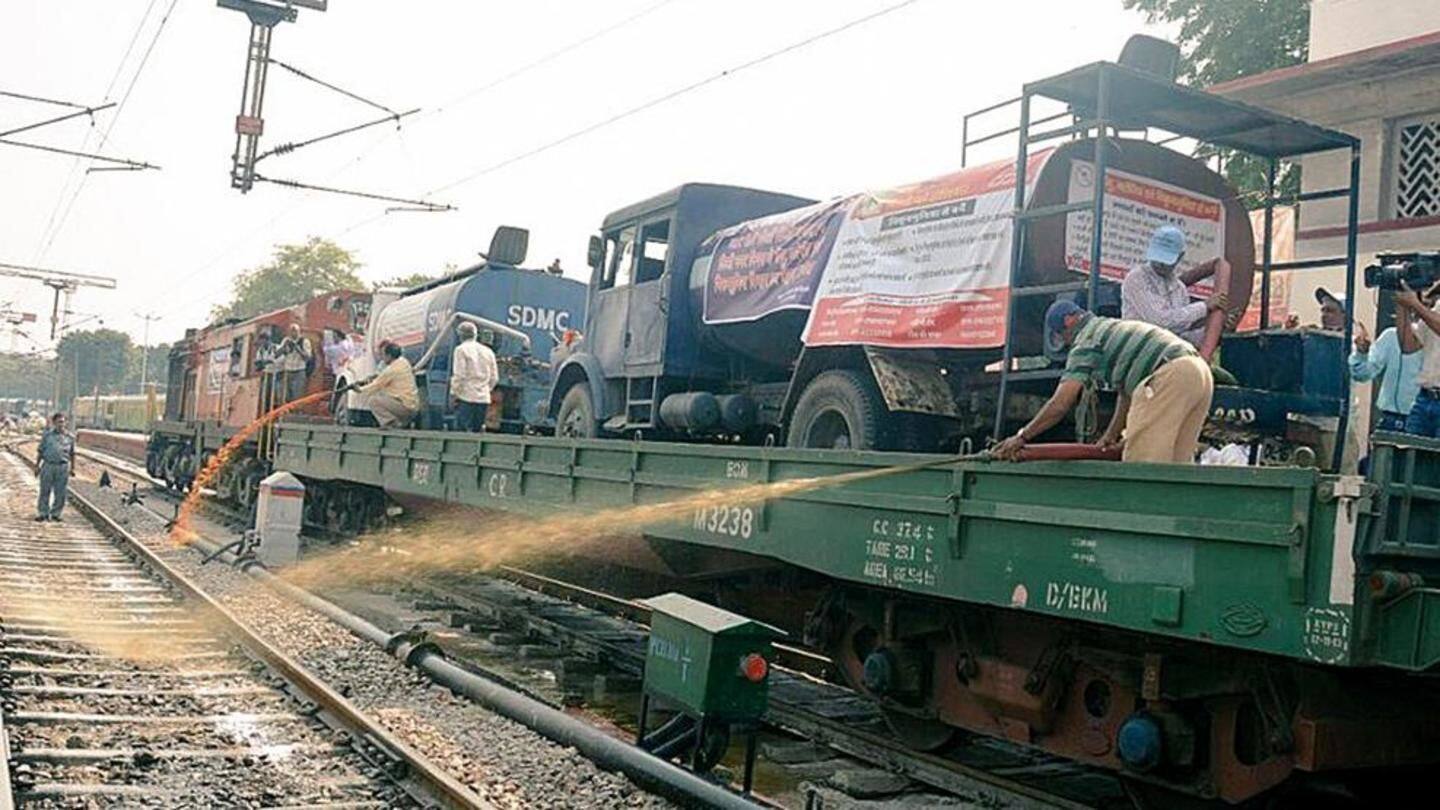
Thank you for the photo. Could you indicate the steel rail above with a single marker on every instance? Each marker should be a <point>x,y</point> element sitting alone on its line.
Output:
<point>418,768</point>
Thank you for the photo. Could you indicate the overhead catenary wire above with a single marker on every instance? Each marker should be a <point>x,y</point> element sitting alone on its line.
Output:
<point>109,88</point>
<point>286,148</point>
<point>43,100</point>
<point>673,94</point>
<point>133,164</point>
<point>647,105</point>
<point>430,113</point>
<point>435,207</point>
<point>342,91</point>
<point>59,224</point>
<point>90,111</point>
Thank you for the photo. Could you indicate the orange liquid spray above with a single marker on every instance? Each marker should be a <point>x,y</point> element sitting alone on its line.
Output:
<point>181,532</point>
<point>466,539</point>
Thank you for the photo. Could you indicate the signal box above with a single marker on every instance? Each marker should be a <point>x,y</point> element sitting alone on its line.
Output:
<point>714,667</point>
<point>708,661</point>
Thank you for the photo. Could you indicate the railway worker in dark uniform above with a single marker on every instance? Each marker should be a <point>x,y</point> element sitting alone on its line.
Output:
<point>473,375</point>
<point>394,399</point>
<point>297,358</point>
<point>1164,386</point>
<point>56,455</point>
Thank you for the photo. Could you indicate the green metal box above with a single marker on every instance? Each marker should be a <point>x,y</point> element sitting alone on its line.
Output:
<point>705,659</point>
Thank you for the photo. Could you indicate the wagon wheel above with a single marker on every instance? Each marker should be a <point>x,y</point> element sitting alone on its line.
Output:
<point>849,650</point>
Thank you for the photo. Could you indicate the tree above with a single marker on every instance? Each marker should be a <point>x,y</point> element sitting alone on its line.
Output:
<point>407,281</point>
<point>1226,39</point>
<point>26,376</point>
<point>295,274</point>
<point>92,359</point>
<point>157,371</point>
<point>416,279</point>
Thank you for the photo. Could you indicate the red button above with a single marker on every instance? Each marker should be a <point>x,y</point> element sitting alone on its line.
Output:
<point>754,667</point>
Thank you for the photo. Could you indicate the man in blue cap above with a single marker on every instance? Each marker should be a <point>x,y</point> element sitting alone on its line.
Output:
<point>1163,385</point>
<point>1155,292</point>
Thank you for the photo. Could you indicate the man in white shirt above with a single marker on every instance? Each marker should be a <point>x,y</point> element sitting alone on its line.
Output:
<point>473,374</point>
<point>1155,292</point>
<point>1424,419</point>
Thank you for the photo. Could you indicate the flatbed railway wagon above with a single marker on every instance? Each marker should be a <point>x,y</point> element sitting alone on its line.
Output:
<point>1219,631</point>
<point>1230,634</point>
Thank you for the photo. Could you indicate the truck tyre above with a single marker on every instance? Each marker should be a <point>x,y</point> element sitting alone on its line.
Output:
<point>838,410</point>
<point>576,418</point>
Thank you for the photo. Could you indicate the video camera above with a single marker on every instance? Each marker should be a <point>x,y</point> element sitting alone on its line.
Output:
<point>1417,270</point>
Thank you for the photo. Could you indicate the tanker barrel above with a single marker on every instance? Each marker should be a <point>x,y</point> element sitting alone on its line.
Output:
<point>692,410</point>
<point>737,412</point>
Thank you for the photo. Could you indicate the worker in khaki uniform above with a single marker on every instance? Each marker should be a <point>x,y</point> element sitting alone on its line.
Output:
<point>394,400</point>
<point>1164,386</point>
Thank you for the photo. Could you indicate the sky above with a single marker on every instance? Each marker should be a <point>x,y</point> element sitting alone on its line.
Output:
<point>502,89</point>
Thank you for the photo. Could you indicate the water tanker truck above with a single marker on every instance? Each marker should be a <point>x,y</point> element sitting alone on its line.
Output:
<point>875,321</point>
<point>522,314</point>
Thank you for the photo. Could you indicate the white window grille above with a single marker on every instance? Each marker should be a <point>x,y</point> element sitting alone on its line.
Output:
<point>1417,167</point>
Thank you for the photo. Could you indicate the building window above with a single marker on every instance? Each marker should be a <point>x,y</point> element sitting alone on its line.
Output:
<point>1417,167</point>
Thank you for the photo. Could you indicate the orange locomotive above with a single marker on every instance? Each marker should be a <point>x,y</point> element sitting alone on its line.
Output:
<point>224,376</point>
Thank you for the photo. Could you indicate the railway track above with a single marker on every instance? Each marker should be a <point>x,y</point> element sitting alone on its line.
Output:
<point>598,627</point>
<point>123,684</point>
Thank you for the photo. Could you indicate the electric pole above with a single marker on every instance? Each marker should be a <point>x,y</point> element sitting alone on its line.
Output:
<point>145,348</point>
<point>64,284</point>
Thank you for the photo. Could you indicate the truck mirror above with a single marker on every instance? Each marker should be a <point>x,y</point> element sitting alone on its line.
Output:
<point>508,246</point>
<point>596,255</point>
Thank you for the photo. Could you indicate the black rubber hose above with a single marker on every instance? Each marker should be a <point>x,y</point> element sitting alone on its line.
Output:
<point>646,770</point>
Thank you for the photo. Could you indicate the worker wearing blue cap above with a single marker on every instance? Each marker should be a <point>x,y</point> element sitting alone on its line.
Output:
<point>1155,292</point>
<point>1163,385</point>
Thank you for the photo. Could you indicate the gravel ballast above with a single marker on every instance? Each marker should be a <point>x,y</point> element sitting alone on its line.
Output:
<point>499,759</point>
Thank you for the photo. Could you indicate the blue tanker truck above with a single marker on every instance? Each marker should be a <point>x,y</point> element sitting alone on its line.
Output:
<point>522,314</point>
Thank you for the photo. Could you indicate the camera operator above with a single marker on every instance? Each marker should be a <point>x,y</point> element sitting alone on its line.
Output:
<point>1424,419</point>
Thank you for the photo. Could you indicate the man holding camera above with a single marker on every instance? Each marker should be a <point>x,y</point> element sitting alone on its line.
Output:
<point>1424,419</point>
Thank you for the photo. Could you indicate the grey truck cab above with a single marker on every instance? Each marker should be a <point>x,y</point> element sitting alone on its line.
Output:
<point>650,362</point>
<point>645,361</point>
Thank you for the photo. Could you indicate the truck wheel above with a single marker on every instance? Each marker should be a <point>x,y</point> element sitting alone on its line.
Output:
<point>576,419</point>
<point>838,410</point>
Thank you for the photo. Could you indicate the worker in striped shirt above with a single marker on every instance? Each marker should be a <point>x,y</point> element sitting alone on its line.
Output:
<point>1163,385</point>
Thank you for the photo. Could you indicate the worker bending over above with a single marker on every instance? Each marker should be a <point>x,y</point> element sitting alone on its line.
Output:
<point>473,374</point>
<point>1154,291</point>
<point>1164,386</point>
<point>394,400</point>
